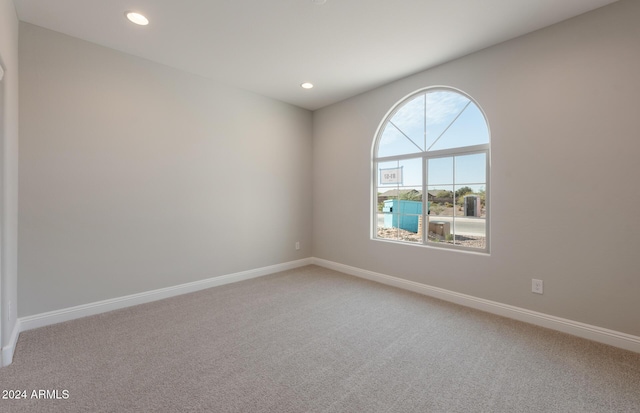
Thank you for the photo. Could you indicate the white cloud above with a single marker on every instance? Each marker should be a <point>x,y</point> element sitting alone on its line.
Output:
<point>443,106</point>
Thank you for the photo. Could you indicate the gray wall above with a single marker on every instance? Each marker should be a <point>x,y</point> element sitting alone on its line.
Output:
<point>9,170</point>
<point>135,176</point>
<point>562,104</point>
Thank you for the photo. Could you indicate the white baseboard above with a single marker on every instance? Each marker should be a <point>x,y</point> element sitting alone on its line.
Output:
<point>8,350</point>
<point>598,334</point>
<point>72,313</point>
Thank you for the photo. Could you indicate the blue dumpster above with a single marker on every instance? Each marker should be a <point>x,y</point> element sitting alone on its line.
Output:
<point>402,214</point>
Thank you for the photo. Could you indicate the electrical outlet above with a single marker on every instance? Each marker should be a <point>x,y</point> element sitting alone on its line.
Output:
<point>297,245</point>
<point>536,286</point>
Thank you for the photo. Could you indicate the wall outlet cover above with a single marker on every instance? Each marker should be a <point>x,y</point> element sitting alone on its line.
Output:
<point>537,286</point>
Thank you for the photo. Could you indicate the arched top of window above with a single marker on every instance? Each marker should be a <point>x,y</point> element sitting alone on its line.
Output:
<point>431,120</point>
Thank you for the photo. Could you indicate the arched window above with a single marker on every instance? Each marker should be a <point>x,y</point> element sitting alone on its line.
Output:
<point>431,169</point>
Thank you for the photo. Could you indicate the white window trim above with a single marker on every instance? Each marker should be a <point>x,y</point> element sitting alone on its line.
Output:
<point>424,156</point>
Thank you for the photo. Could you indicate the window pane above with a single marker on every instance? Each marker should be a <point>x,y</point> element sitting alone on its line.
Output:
<point>442,109</point>
<point>470,232</point>
<point>440,200</point>
<point>470,225</point>
<point>393,142</point>
<point>440,171</point>
<point>409,120</point>
<point>463,231</point>
<point>412,172</point>
<point>470,128</point>
<point>440,213</point>
<point>409,217</point>
<point>387,211</point>
<point>400,219</point>
<point>471,169</point>
<point>399,200</point>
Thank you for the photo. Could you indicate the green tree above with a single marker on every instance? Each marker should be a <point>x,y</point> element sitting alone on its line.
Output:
<point>465,190</point>
<point>460,193</point>
<point>411,195</point>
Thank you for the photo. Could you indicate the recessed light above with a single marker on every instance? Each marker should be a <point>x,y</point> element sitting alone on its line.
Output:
<point>318,2</point>
<point>307,85</point>
<point>137,18</point>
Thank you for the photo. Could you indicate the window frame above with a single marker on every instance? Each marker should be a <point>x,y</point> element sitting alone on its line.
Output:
<point>425,156</point>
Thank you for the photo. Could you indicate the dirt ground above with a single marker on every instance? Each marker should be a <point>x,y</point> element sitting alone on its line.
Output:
<point>403,235</point>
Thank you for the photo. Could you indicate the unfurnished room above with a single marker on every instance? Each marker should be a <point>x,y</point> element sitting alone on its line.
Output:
<point>319,206</point>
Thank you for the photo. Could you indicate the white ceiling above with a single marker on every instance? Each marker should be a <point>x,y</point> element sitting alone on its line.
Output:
<point>270,47</point>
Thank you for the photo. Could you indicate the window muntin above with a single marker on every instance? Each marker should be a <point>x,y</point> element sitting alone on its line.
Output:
<point>435,142</point>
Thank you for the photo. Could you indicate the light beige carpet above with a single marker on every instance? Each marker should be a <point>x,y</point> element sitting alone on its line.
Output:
<point>314,340</point>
